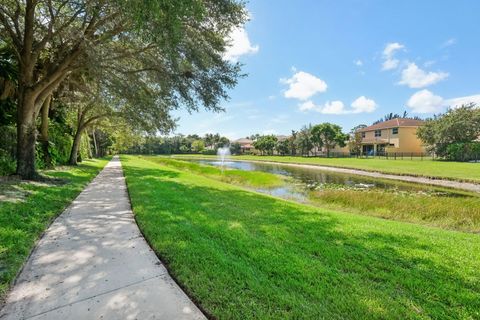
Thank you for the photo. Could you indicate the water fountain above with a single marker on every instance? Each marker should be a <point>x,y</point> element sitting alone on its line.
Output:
<point>223,153</point>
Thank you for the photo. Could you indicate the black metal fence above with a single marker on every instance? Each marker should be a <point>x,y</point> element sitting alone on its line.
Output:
<point>392,156</point>
<point>384,155</point>
<point>378,155</point>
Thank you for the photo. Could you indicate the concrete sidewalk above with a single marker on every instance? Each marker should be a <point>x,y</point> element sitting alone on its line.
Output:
<point>93,263</point>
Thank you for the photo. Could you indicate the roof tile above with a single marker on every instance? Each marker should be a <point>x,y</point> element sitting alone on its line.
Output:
<point>394,123</point>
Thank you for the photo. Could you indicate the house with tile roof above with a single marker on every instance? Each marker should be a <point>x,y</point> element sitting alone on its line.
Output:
<point>246,145</point>
<point>396,135</point>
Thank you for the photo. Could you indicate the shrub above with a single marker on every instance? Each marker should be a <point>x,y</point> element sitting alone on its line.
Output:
<point>209,152</point>
<point>463,151</point>
<point>7,164</point>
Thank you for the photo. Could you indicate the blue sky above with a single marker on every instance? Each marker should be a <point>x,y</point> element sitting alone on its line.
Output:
<point>346,62</point>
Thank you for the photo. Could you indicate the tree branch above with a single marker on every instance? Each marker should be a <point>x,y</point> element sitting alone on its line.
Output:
<point>92,119</point>
<point>48,91</point>
<point>8,27</point>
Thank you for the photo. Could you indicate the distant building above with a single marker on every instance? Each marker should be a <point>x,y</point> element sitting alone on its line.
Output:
<point>246,145</point>
<point>396,135</point>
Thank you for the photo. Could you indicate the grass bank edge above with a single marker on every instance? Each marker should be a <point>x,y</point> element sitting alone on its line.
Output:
<point>322,162</point>
<point>44,205</point>
<point>155,227</point>
<point>449,213</point>
<point>233,176</point>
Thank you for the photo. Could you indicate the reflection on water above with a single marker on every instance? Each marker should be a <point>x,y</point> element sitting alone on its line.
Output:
<point>302,180</point>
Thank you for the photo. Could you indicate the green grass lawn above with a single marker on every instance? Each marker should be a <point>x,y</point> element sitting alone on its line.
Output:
<point>240,177</point>
<point>427,168</point>
<point>27,208</point>
<point>244,255</point>
<point>455,213</point>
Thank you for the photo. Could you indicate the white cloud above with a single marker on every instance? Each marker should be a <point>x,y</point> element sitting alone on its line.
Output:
<point>360,105</point>
<point>457,102</point>
<point>307,105</point>
<point>390,49</point>
<point>414,77</point>
<point>363,104</point>
<point>303,85</point>
<point>239,45</point>
<point>390,64</point>
<point>389,61</point>
<point>424,101</point>
<point>334,107</point>
<point>358,62</point>
<point>449,42</point>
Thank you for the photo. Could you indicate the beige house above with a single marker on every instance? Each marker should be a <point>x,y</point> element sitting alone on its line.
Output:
<point>396,135</point>
<point>246,145</point>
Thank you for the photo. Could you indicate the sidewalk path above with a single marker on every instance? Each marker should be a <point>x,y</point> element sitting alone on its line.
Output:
<point>93,263</point>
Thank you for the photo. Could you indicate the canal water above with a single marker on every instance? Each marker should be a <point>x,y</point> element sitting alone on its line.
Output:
<point>300,182</point>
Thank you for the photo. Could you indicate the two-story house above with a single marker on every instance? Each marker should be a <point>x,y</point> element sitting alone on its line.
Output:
<point>396,135</point>
<point>246,145</point>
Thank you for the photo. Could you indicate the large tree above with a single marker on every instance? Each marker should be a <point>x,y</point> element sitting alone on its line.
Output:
<point>304,140</point>
<point>121,38</point>
<point>330,135</point>
<point>355,141</point>
<point>459,125</point>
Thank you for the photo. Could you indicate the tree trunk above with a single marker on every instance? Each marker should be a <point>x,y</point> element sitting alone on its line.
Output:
<point>26,135</point>
<point>47,159</point>
<point>95,143</point>
<point>75,147</point>
<point>87,138</point>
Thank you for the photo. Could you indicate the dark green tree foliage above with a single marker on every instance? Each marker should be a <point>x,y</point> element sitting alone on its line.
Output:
<point>292,143</point>
<point>265,144</point>
<point>179,144</point>
<point>448,134</point>
<point>283,147</point>
<point>304,140</point>
<point>8,83</point>
<point>328,136</point>
<point>8,109</point>
<point>355,139</point>
<point>153,56</point>
<point>235,148</point>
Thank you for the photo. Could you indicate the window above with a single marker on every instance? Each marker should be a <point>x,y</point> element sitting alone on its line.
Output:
<point>378,133</point>
<point>363,134</point>
<point>394,130</point>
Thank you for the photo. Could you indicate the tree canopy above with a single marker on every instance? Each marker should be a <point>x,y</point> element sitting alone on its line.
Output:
<point>149,56</point>
<point>456,126</point>
<point>328,135</point>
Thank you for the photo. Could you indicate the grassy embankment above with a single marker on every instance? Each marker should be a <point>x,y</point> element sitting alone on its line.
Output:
<point>460,171</point>
<point>460,212</point>
<point>27,208</point>
<point>239,177</point>
<point>244,255</point>
<point>456,213</point>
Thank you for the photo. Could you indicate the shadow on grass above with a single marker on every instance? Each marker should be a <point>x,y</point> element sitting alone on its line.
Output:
<point>245,255</point>
<point>22,222</point>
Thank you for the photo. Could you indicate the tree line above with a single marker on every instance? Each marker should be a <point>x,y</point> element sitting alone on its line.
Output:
<point>455,134</point>
<point>309,140</point>
<point>75,72</point>
<point>178,144</point>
